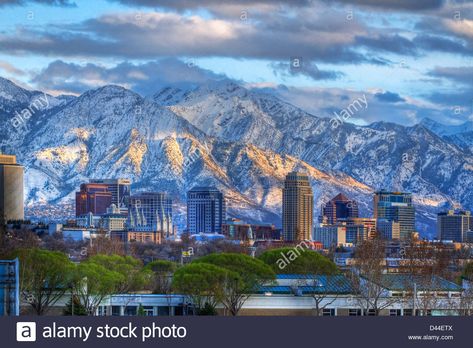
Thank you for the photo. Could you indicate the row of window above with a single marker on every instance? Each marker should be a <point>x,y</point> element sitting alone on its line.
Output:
<point>371,312</point>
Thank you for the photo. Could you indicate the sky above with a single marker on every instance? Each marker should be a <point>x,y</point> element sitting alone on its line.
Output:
<point>410,59</point>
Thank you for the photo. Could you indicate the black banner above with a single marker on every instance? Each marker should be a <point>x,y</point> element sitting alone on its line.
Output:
<point>236,332</point>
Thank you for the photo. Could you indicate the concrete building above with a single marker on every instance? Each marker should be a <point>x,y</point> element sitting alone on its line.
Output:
<point>154,237</point>
<point>297,208</point>
<point>330,236</point>
<point>206,210</point>
<point>358,229</point>
<point>78,234</point>
<point>11,189</point>
<point>454,225</point>
<point>388,229</point>
<point>398,207</point>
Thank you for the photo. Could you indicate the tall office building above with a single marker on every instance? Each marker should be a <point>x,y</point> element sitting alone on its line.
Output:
<point>151,212</point>
<point>339,207</point>
<point>119,188</point>
<point>11,189</point>
<point>297,207</point>
<point>454,225</point>
<point>396,206</point>
<point>92,198</point>
<point>206,210</point>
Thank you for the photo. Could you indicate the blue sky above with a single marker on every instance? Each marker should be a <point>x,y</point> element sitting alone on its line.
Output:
<point>412,59</point>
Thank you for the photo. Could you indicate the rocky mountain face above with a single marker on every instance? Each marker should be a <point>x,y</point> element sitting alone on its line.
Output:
<point>221,134</point>
<point>382,155</point>
<point>461,135</point>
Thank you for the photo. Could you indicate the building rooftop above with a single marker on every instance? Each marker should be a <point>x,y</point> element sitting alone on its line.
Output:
<point>405,282</point>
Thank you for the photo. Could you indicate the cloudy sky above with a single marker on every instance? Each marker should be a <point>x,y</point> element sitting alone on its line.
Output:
<point>411,59</point>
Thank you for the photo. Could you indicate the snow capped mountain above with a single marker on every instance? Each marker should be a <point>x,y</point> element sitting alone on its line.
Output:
<point>381,155</point>
<point>221,134</point>
<point>461,135</point>
<point>441,129</point>
<point>113,132</point>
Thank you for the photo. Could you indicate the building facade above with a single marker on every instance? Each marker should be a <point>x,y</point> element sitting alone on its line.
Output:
<point>454,225</point>
<point>206,210</point>
<point>388,229</point>
<point>119,188</point>
<point>11,189</point>
<point>339,207</point>
<point>297,207</point>
<point>151,212</point>
<point>92,198</point>
<point>398,207</point>
<point>330,236</point>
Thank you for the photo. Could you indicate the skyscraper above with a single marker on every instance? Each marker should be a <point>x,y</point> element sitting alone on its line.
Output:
<point>339,207</point>
<point>297,207</point>
<point>454,225</point>
<point>11,189</point>
<point>151,212</point>
<point>119,188</point>
<point>206,210</point>
<point>92,198</point>
<point>396,206</point>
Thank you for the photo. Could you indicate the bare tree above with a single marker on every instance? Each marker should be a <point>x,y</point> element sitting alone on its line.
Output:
<point>368,277</point>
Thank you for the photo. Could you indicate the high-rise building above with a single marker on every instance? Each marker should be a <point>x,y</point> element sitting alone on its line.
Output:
<point>11,189</point>
<point>396,206</point>
<point>339,207</point>
<point>92,198</point>
<point>119,188</point>
<point>206,210</point>
<point>151,212</point>
<point>454,225</point>
<point>388,229</point>
<point>297,207</point>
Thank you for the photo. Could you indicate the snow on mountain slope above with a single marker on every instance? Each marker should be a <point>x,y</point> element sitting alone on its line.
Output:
<point>461,135</point>
<point>243,142</point>
<point>113,132</point>
<point>381,155</point>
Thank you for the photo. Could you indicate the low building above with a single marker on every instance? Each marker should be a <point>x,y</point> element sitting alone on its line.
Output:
<point>143,236</point>
<point>78,234</point>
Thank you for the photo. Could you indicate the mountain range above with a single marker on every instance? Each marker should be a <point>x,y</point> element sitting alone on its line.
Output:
<point>241,140</point>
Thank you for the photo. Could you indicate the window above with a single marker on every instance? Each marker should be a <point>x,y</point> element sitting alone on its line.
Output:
<point>163,310</point>
<point>130,310</point>
<point>394,312</point>
<point>408,312</point>
<point>101,311</point>
<point>328,312</point>
<point>116,311</point>
<point>370,312</point>
<point>148,310</point>
<point>354,312</point>
<point>179,310</point>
